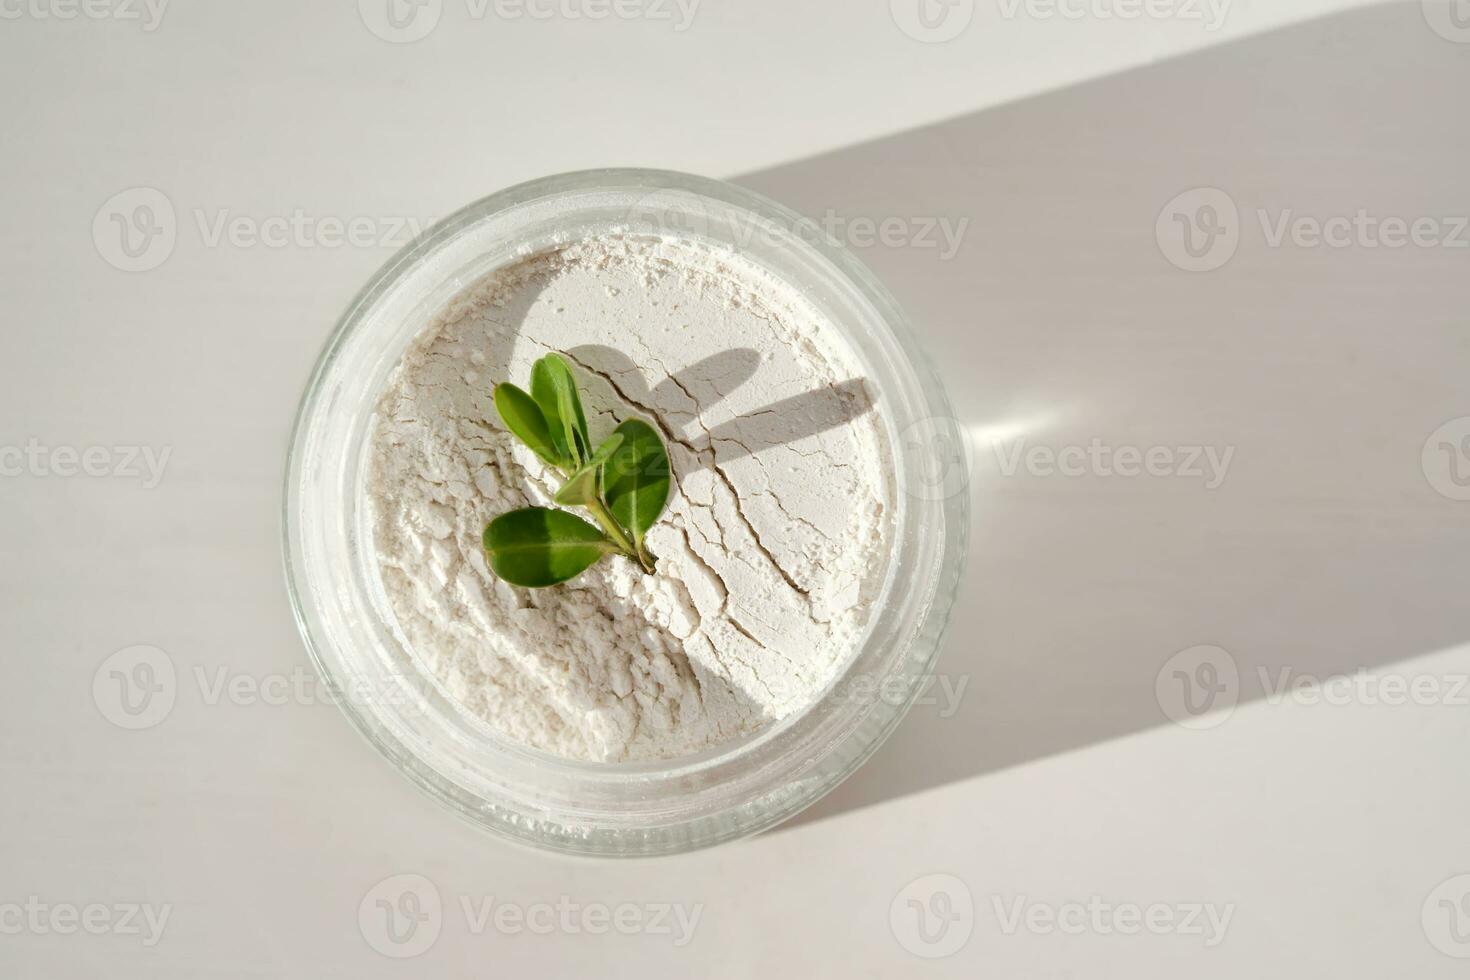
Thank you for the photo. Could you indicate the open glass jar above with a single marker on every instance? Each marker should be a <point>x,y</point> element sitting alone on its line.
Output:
<point>738,788</point>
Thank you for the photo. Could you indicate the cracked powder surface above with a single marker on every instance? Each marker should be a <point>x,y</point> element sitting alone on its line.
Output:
<point>772,551</point>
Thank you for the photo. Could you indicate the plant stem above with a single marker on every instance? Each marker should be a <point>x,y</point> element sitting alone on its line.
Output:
<point>646,558</point>
<point>614,533</point>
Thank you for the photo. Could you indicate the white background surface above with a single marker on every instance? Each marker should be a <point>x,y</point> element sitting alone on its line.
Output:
<point>1332,834</point>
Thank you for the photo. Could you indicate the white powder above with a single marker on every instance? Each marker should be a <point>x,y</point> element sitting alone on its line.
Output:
<point>772,550</point>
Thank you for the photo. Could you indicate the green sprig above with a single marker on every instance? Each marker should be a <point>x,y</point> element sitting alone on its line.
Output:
<point>623,483</point>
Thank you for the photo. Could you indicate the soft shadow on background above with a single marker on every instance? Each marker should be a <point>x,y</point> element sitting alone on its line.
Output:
<point>1060,321</point>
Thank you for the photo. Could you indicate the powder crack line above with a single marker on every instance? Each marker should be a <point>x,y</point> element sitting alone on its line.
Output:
<point>709,456</point>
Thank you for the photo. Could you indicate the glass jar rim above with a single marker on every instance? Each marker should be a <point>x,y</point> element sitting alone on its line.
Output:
<point>531,796</point>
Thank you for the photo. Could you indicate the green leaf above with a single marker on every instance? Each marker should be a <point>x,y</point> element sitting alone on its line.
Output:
<point>555,391</point>
<point>523,417</point>
<point>604,452</point>
<point>582,486</point>
<point>636,478</point>
<point>537,546</point>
